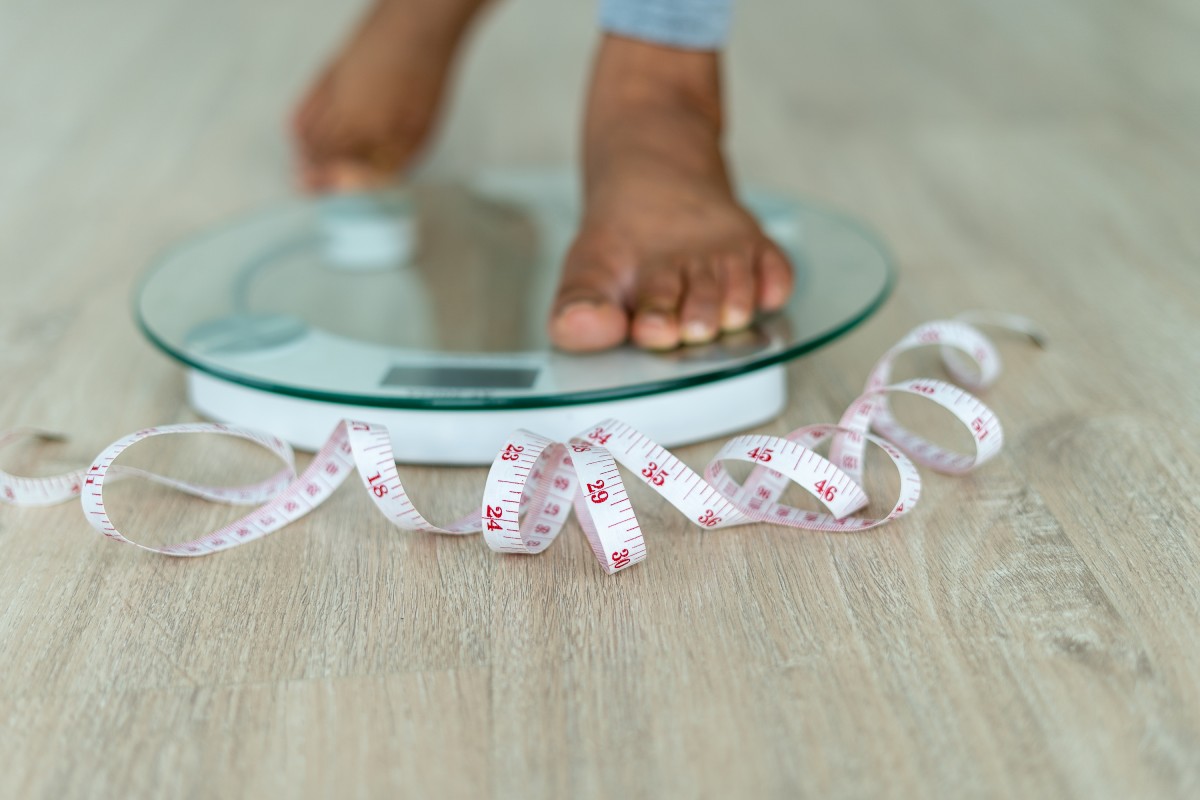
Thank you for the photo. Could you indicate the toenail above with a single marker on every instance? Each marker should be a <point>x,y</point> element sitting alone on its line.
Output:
<point>655,319</point>
<point>734,319</point>
<point>578,306</point>
<point>697,331</point>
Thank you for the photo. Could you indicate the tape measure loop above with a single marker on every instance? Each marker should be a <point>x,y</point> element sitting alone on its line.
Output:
<point>792,459</point>
<point>602,502</point>
<point>104,469</point>
<point>511,487</point>
<point>985,429</point>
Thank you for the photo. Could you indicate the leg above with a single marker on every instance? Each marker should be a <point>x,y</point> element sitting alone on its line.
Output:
<point>665,254</point>
<point>371,110</point>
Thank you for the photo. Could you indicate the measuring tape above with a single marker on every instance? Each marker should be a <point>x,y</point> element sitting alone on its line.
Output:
<point>535,482</point>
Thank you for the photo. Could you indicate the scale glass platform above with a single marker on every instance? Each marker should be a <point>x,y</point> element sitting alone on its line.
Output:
<point>425,310</point>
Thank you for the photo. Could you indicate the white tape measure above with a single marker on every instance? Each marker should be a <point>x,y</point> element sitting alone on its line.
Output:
<point>535,481</point>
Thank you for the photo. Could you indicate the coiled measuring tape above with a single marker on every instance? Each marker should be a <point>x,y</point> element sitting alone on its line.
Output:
<point>535,482</point>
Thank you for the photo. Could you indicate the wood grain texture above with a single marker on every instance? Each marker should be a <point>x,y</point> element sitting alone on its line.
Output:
<point>1031,631</point>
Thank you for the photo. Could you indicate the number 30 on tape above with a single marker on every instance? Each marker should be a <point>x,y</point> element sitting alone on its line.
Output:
<point>535,482</point>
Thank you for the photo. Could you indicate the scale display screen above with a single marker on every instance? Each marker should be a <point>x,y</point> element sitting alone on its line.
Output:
<point>459,377</point>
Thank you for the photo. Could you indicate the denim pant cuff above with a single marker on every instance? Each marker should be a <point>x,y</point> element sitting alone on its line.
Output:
<point>688,24</point>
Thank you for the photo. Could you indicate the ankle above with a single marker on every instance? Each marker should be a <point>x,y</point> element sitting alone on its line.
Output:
<point>441,21</point>
<point>629,75</point>
<point>653,110</point>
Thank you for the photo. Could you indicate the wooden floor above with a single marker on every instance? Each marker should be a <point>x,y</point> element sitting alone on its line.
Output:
<point>1030,631</point>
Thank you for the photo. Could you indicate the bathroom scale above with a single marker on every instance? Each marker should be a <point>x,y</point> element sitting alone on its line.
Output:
<point>424,309</point>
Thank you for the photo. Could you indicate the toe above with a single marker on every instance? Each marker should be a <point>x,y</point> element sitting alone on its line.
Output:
<point>700,313</point>
<point>739,290</point>
<point>588,314</point>
<point>586,326</point>
<point>328,135</point>
<point>774,277</point>
<point>659,293</point>
<point>316,151</point>
<point>355,175</point>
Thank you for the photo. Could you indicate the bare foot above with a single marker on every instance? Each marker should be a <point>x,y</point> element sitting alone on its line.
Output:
<point>369,113</point>
<point>665,254</point>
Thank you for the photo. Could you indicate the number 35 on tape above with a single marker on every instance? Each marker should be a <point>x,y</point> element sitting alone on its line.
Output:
<point>535,482</point>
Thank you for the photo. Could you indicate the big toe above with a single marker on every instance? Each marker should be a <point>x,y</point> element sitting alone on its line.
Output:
<point>583,326</point>
<point>775,278</point>
<point>588,314</point>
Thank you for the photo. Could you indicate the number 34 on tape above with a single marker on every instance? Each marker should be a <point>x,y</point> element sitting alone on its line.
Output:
<point>535,482</point>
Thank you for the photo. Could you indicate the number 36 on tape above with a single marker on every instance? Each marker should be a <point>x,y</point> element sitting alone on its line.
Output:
<point>535,482</point>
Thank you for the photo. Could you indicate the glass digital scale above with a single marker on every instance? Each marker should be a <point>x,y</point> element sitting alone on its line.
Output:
<point>426,311</point>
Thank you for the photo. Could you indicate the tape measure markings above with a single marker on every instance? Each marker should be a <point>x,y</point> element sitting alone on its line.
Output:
<point>534,481</point>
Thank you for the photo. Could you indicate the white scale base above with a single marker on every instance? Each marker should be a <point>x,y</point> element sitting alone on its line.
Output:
<point>470,437</point>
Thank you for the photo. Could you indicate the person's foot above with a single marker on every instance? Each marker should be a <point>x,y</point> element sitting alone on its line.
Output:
<point>665,254</point>
<point>370,112</point>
